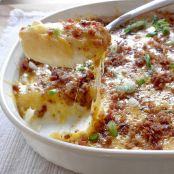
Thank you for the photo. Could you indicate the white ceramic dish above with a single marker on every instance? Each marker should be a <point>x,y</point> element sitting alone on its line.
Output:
<point>74,157</point>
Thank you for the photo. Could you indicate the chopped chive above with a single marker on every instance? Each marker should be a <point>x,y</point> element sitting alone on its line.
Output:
<point>154,19</point>
<point>161,25</point>
<point>112,128</point>
<point>56,32</point>
<point>81,68</point>
<point>165,31</point>
<point>93,137</point>
<point>172,66</point>
<point>52,92</point>
<point>138,25</point>
<point>148,62</point>
<point>140,82</point>
<point>151,34</point>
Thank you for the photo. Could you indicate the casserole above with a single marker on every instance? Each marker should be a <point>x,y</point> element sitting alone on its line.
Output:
<point>69,155</point>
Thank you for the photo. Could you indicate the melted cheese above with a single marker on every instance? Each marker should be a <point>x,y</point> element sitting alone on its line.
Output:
<point>52,44</point>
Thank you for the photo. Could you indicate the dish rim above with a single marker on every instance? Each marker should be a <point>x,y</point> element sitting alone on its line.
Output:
<point>56,143</point>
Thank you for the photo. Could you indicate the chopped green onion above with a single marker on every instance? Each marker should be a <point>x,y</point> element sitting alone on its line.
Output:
<point>154,19</point>
<point>112,128</point>
<point>165,31</point>
<point>128,88</point>
<point>52,92</point>
<point>140,82</point>
<point>148,62</point>
<point>135,26</point>
<point>162,25</point>
<point>93,137</point>
<point>151,34</point>
<point>81,68</point>
<point>172,66</point>
<point>56,32</point>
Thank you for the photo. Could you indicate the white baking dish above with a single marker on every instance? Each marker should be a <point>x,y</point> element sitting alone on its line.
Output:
<point>82,159</point>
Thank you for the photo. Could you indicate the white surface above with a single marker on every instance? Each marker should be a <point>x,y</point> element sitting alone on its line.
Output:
<point>16,157</point>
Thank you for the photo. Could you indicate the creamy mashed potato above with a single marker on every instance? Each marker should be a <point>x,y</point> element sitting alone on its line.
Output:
<point>136,92</point>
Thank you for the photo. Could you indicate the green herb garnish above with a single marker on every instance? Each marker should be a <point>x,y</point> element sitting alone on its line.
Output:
<point>165,31</point>
<point>112,128</point>
<point>154,19</point>
<point>138,25</point>
<point>172,66</point>
<point>81,68</point>
<point>162,25</point>
<point>151,34</point>
<point>93,137</point>
<point>140,82</point>
<point>56,32</point>
<point>148,62</point>
<point>52,92</point>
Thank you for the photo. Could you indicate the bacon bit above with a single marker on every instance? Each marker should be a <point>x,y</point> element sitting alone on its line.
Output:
<point>83,140</point>
<point>68,27</point>
<point>155,128</point>
<point>42,111</point>
<point>123,129</point>
<point>85,23</point>
<point>145,47</point>
<point>24,67</point>
<point>91,32</point>
<point>116,61</point>
<point>98,42</point>
<point>70,20</point>
<point>140,62</point>
<point>108,118</point>
<point>99,126</point>
<point>106,143</point>
<point>160,79</point>
<point>115,97</point>
<point>77,32</point>
<point>53,78</point>
<point>165,62</point>
<point>51,101</point>
<point>67,136</point>
<point>94,23</point>
<point>113,106</point>
<point>152,107</point>
<point>122,48</point>
<point>50,32</point>
<point>172,90</point>
<point>15,88</point>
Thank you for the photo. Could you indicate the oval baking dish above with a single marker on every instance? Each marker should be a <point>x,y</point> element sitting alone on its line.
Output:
<point>78,158</point>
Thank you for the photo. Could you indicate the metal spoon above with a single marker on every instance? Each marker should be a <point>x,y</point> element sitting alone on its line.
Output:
<point>156,4</point>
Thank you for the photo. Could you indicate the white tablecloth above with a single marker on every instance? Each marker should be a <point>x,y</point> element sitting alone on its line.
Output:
<point>16,157</point>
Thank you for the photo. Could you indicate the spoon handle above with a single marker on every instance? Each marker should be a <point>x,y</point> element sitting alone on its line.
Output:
<point>153,5</point>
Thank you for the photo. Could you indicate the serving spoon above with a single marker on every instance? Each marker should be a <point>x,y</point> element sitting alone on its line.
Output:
<point>153,5</point>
